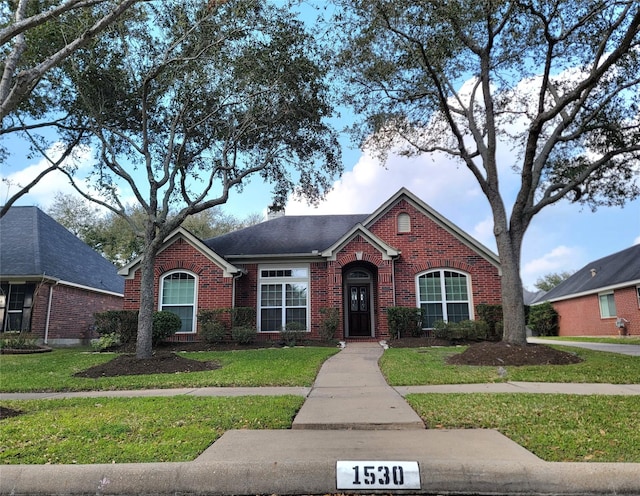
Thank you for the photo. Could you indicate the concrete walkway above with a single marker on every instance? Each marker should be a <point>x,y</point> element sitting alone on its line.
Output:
<point>351,393</point>
<point>348,399</point>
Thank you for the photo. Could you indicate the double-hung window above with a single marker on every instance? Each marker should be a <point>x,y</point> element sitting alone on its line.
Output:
<point>178,295</point>
<point>607,305</point>
<point>443,295</point>
<point>283,297</point>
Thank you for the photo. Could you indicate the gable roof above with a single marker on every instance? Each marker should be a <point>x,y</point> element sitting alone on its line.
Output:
<point>35,245</point>
<point>443,222</point>
<point>312,235</point>
<point>287,235</point>
<point>620,269</point>
<point>180,232</point>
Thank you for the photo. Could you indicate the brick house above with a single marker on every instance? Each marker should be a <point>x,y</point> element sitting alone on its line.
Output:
<point>290,267</point>
<point>51,283</point>
<point>602,298</point>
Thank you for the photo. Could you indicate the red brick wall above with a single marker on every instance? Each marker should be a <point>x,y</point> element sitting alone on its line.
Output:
<point>581,316</point>
<point>428,246</point>
<point>72,309</point>
<point>214,289</point>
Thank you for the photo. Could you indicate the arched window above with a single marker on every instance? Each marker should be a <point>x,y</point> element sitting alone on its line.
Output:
<point>178,295</point>
<point>404,223</point>
<point>444,295</point>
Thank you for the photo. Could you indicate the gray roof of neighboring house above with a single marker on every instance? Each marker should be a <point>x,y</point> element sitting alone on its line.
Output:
<point>33,244</point>
<point>287,235</point>
<point>614,270</point>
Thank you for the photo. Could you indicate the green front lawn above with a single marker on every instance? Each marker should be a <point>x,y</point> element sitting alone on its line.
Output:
<point>261,367</point>
<point>136,430</point>
<point>556,428</point>
<point>425,366</point>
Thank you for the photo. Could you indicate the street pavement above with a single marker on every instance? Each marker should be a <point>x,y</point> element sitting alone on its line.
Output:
<point>351,421</point>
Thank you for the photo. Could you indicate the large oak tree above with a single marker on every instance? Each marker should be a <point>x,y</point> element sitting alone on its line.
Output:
<point>36,38</point>
<point>186,100</point>
<point>557,82</point>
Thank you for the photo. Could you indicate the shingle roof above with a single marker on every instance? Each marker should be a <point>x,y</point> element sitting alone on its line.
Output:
<point>33,244</point>
<point>613,270</point>
<point>296,234</point>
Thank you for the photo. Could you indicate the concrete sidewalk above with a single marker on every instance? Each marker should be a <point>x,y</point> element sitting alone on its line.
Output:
<point>348,399</point>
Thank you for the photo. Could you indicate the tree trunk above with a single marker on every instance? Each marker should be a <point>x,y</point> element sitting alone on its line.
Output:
<point>144,343</point>
<point>509,246</point>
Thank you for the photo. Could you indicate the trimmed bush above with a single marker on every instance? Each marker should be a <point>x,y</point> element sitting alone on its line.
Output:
<point>165,324</point>
<point>243,317</point>
<point>124,323</point>
<point>293,333</point>
<point>404,321</point>
<point>492,315</point>
<point>329,323</point>
<point>244,335</point>
<point>543,319</point>
<point>12,340</point>
<point>105,342</point>
<point>214,332</point>
<point>465,330</point>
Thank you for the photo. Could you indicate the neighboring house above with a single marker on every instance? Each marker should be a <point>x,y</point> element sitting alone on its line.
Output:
<point>290,267</point>
<point>602,298</point>
<point>51,283</point>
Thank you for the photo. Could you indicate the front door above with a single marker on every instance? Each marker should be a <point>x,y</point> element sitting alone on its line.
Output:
<point>359,311</point>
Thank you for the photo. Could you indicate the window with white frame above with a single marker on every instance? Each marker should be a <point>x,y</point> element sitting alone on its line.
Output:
<point>443,295</point>
<point>638,293</point>
<point>607,305</point>
<point>178,295</point>
<point>283,297</point>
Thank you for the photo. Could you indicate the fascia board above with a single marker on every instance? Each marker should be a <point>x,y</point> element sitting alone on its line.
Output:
<point>388,252</point>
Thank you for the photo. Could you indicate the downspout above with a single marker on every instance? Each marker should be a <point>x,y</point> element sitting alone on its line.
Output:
<point>49,304</point>
<point>393,279</point>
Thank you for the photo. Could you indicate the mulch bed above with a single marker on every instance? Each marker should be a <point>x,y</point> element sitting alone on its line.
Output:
<point>501,354</point>
<point>159,363</point>
<point>8,412</point>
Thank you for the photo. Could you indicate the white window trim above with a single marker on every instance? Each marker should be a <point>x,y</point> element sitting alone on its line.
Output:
<point>442,270</point>
<point>283,280</point>
<point>195,296</point>
<point>606,293</point>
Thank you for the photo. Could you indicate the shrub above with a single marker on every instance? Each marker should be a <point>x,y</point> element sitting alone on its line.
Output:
<point>293,333</point>
<point>543,319</point>
<point>243,317</point>
<point>165,324</point>
<point>330,323</point>
<point>106,341</point>
<point>214,332</point>
<point>465,330</point>
<point>121,322</point>
<point>404,321</point>
<point>244,335</point>
<point>18,341</point>
<point>492,315</point>
<point>214,324</point>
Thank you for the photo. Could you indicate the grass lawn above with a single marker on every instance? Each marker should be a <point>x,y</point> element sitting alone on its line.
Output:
<point>120,430</point>
<point>554,427</point>
<point>261,367</point>
<point>424,366</point>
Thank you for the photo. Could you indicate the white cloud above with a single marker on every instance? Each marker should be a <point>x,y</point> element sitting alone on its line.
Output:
<point>636,241</point>
<point>43,193</point>
<point>559,259</point>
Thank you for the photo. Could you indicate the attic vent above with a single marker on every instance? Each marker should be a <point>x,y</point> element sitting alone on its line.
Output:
<point>593,272</point>
<point>404,223</point>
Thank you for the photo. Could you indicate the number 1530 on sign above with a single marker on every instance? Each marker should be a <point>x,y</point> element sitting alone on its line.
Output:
<point>377,475</point>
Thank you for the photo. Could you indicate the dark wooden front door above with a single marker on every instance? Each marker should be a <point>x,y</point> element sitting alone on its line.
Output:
<point>359,310</point>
